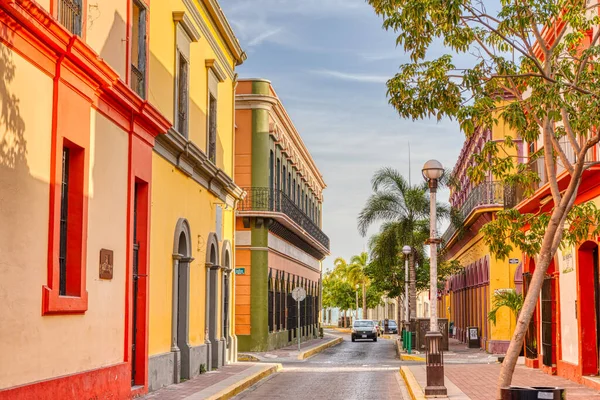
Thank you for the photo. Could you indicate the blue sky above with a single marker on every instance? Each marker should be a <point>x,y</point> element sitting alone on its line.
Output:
<point>329,60</point>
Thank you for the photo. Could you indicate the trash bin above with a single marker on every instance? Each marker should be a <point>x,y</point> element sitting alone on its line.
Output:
<point>533,393</point>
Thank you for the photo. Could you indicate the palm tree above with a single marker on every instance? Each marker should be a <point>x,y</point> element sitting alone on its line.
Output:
<point>506,298</point>
<point>395,201</point>
<point>357,276</point>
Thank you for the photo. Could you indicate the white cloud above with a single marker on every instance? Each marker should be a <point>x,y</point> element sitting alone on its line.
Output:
<point>264,36</point>
<point>355,77</point>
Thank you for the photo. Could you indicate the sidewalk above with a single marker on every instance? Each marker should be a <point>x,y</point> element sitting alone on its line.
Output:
<point>478,382</point>
<point>473,374</point>
<point>291,353</point>
<point>222,383</point>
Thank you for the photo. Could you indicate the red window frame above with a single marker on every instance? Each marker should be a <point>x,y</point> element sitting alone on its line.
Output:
<point>71,129</point>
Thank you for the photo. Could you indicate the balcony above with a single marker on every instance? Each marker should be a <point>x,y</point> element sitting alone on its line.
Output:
<point>488,194</point>
<point>261,200</point>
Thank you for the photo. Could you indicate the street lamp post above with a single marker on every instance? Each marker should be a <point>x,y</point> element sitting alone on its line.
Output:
<point>432,172</point>
<point>406,250</point>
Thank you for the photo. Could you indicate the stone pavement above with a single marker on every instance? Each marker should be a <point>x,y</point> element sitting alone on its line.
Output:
<point>478,381</point>
<point>473,374</point>
<point>210,384</point>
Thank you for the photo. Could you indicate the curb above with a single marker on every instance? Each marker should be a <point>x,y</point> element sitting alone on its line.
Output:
<point>410,357</point>
<point>343,330</point>
<point>309,353</point>
<point>414,389</point>
<point>244,384</point>
<point>406,357</point>
<point>246,357</point>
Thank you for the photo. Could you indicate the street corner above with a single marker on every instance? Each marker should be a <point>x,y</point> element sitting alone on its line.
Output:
<point>303,355</point>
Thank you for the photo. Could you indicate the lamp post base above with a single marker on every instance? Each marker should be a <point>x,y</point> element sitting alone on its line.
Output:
<point>434,365</point>
<point>436,391</point>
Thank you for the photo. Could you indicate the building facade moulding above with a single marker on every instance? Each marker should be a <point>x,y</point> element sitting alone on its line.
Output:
<point>225,29</point>
<point>197,17</point>
<point>56,44</point>
<point>180,17</point>
<point>190,160</point>
<point>213,65</point>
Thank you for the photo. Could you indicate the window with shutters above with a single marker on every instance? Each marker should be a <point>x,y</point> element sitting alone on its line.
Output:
<point>212,129</point>
<point>138,49</point>
<point>182,95</point>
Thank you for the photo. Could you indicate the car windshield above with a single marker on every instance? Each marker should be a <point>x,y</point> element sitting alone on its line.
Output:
<point>363,324</point>
<point>392,323</point>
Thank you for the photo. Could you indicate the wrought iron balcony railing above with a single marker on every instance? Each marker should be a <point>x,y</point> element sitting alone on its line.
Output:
<point>486,194</point>
<point>69,15</point>
<point>266,199</point>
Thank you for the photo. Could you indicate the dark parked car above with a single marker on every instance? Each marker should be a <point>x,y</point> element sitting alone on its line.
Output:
<point>388,326</point>
<point>364,329</point>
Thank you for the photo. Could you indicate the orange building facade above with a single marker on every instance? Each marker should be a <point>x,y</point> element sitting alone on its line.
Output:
<point>279,242</point>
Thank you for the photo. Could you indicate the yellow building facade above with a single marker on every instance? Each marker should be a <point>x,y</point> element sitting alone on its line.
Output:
<point>467,297</point>
<point>192,59</point>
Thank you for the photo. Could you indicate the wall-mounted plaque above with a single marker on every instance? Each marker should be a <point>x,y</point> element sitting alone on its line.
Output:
<point>106,264</point>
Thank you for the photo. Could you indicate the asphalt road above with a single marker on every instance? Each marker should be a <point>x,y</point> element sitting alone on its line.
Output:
<point>361,370</point>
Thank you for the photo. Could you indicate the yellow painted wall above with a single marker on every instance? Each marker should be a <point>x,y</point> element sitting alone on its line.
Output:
<point>161,92</point>
<point>501,277</point>
<point>40,347</point>
<point>174,196</point>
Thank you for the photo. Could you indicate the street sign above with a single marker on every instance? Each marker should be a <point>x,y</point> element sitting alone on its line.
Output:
<point>299,293</point>
<point>240,271</point>
<point>513,260</point>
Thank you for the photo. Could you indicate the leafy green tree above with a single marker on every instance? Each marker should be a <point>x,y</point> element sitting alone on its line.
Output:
<point>373,297</point>
<point>337,292</point>
<point>506,298</point>
<point>404,209</point>
<point>543,83</point>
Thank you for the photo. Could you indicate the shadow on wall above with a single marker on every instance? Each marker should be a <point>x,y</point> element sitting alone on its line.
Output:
<point>13,146</point>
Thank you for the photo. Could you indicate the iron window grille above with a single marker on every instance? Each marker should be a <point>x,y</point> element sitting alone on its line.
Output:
<point>212,130</point>
<point>138,50</point>
<point>182,96</point>
<point>64,215</point>
<point>70,15</point>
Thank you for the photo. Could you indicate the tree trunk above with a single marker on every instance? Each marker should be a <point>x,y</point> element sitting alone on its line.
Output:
<point>364,300</point>
<point>398,310</point>
<point>356,304</point>
<point>551,240</point>
<point>412,289</point>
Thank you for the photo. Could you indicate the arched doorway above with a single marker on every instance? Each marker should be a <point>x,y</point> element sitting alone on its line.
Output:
<point>213,266</point>
<point>588,299</point>
<point>181,300</point>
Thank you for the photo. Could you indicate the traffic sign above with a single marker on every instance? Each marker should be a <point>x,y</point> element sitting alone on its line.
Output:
<point>299,293</point>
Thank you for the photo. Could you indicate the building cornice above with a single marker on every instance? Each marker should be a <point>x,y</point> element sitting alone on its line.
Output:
<point>33,24</point>
<point>216,13</point>
<point>212,41</point>
<point>193,162</point>
<point>285,134</point>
